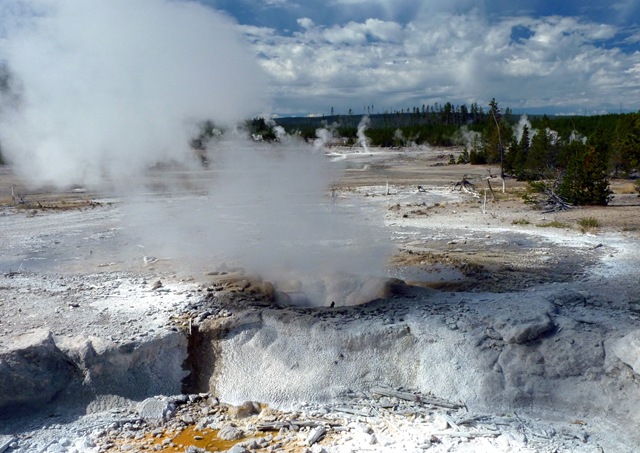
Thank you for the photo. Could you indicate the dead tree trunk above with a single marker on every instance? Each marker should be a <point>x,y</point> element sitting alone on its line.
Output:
<point>465,185</point>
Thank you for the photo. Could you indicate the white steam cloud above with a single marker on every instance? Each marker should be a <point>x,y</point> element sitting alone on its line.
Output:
<point>106,88</point>
<point>327,136</point>
<point>99,91</point>
<point>269,212</point>
<point>522,122</point>
<point>466,136</point>
<point>399,138</point>
<point>362,127</point>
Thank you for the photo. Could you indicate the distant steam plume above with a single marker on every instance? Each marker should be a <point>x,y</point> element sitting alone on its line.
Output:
<point>325,135</point>
<point>362,127</point>
<point>103,89</point>
<point>522,122</point>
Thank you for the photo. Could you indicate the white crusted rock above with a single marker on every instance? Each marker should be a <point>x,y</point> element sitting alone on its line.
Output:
<point>627,349</point>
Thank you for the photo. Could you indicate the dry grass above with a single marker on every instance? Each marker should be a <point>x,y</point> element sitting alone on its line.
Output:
<point>627,188</point>
<point>588,224</point>
<point>553,224</point>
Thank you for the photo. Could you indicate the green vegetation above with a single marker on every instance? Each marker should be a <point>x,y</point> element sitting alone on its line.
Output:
<point>570,157</point>
<point>574,155</point>
<point>553,224</point>
<point>520,222</point>
<point>588,224</point>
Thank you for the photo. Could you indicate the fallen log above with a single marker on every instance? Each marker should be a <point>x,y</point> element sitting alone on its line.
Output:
<point>349,410</point>
<point>407,396</point>
<point>271,426</point>
<point>465,434</point>
<point>277,426</point>
<point>555,202</point>
<point>466,186</point>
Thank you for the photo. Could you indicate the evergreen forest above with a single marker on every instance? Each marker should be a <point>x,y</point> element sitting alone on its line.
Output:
<point>577,155</point>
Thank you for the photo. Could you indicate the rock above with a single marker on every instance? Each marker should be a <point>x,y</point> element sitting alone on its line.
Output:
<point>251,444</point>
<point>523,373</point>
<point>627,349</point>
<point>246,409</point>
<point>179,399</point>
<point>568,297</point>
<point>156,408</point>
<point>525,331</point>
<point>634,306</point>
<point>149,260</point>
<point>33,371</point>
<point>364,428</point>
<point>573,353</point>
<point>440,423</point>
<point>132,370</point>
<point>525,324</point>
<point>229,432</point>
<point>237,449</point>
<point>5,442</point>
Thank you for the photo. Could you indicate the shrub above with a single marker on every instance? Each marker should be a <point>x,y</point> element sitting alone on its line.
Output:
<point>536,186</point>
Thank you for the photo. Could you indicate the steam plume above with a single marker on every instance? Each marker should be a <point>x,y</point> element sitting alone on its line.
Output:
<point>524,121</point>
<point>98,91</point>
<point>325,135</point>
<point>362,127</point>
<point>269,212</point>
<point>106,88</point>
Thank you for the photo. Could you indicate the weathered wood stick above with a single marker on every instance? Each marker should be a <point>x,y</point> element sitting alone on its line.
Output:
<point>465,434</point>
<point>349,410</point>
<point>316,435</point>
<point>5,441</point>
<point>274,426</point>
<point>416,398</point>
<point>314,423</point>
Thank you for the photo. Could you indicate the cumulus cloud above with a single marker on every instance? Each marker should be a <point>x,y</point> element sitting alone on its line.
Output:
<point>455,52</point>
<point>108,87</point>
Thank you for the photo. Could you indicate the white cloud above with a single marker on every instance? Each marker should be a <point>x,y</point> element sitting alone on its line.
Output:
<point>383,30</point>
<point>305,22</point>
<point>450,57</point>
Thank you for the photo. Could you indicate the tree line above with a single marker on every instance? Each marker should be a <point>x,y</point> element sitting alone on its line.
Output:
<point>578,154</point>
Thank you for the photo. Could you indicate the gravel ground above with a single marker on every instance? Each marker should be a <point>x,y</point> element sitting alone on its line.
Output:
<point>80,273</point>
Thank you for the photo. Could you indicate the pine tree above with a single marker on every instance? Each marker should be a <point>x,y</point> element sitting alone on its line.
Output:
<point>492,135</point>
<point>538,159</point>
<point>586,180</point>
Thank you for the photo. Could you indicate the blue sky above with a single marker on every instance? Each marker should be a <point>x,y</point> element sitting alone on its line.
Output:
<point>533,56</point>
